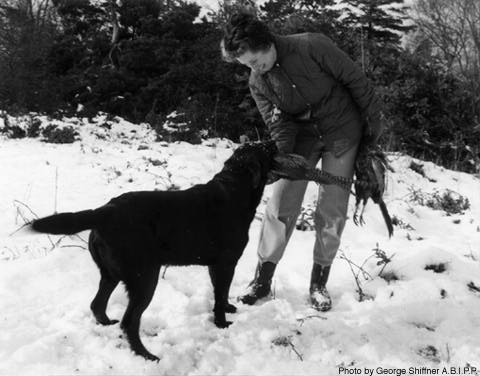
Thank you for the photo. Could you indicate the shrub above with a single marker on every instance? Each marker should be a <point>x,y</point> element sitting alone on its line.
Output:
<point>55,135</point>
<point>437,268</point>
<point>449,201</point>
<point>418,168</point>
<point>14,131</point>
<point>178,128</point>
<point>33,129</point>
<point>21,127</point>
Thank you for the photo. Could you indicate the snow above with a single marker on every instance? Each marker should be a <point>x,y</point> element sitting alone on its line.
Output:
<point>420,318</point>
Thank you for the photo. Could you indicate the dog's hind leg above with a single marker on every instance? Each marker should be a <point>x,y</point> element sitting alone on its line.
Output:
<point>140,289</point>
<point>99,303</point>
<point>221,277</point>
<point>99,248</point>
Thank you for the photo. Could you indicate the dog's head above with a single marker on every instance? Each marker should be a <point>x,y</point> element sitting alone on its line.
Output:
<point>254,158</point>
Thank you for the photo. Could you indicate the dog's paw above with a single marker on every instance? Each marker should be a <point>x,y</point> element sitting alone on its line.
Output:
<point>144,353</point>
<point>107,322</point>
<point>223,324</point>
<point>151,357</point>
<point>154,358</point>
<point>230,308</point>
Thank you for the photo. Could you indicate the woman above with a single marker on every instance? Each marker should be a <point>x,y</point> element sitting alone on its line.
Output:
<point>318,103</point>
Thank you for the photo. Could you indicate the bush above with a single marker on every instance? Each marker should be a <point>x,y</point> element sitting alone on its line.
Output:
<point>178,128</point>
<point>22,127</point>
<point>14,131</point>
<point>449,201</point>
<point>417,167</point>
<point>430,115</point>
<point>55,135</point>
<point>33,129</point>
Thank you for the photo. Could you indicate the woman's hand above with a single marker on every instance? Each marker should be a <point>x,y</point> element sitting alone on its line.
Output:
<point>284,133</point>
<point>373,129</point>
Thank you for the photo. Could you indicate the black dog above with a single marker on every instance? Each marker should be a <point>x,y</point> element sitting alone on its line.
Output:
<point>136,233</point>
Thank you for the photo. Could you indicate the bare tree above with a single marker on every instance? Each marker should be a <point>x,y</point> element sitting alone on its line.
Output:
<point>115,40</point>
<point>453,29</point>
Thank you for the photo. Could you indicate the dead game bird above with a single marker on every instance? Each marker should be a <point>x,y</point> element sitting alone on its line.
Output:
<point>370,170</point>
<point>371,166</point>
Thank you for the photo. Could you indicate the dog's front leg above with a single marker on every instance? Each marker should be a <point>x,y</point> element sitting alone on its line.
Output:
<point>221,276</point>
<point>229,308</point>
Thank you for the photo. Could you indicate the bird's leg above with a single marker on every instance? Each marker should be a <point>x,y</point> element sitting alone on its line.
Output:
<point>355,214</point>
<point>362,221</point>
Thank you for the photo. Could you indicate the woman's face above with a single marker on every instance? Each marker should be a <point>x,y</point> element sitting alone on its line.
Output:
<point>260,61</point>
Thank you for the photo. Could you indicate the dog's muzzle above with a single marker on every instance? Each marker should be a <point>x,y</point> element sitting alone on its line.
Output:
<point>270,148</point>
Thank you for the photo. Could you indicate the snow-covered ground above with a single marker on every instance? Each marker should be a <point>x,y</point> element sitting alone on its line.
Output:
<point>424,312</point>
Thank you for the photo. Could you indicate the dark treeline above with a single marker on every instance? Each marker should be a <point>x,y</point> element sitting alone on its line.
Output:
<point>143,59</point>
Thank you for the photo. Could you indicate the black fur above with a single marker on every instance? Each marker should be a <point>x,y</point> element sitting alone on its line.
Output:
<point>136,233</point>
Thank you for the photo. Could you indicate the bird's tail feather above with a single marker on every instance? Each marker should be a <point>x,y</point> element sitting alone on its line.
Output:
<point>386,217</point>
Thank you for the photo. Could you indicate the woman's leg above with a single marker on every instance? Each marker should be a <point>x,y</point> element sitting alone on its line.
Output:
<point>332,206</point>
<point>279,221</point>
<point>330,217</point>
<point>283,209</point>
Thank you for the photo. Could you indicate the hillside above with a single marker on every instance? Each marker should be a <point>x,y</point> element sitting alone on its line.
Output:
<point>422,308</point>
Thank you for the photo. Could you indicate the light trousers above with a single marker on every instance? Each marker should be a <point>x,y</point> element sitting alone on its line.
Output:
<point>284,207</point>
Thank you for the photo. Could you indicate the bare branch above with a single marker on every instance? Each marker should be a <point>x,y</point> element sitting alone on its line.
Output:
<point>453,28</point>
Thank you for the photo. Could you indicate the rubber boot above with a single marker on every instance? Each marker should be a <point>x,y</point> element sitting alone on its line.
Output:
<point>319,296</point>
<point>260,286</point>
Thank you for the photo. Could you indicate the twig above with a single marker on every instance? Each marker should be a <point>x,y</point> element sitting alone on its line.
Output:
<point>364,272</point>
<point>295,350</point>
<point>361,294</point>
<point>56,190</point>
<point>26,206</point>
<point>79,237</point>
<point>473,287</point>
<point>73,246</point>
<point>360,291</point>
<point>19,212</point>
<point>303,319</point>
<point>54,245</point>
<point>20,228</point>
<point>287,341</point>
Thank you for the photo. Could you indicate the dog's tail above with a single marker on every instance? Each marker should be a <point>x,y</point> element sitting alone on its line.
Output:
<point>70,223</point>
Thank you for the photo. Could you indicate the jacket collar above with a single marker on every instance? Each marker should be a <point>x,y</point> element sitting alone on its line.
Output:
<point>283,46</point>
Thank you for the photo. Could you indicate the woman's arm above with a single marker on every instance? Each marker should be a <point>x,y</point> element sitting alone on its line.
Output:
<point>338,64</point>
<point>281,130</point>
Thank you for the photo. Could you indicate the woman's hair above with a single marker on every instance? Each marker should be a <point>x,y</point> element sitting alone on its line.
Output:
<point>242,33</point>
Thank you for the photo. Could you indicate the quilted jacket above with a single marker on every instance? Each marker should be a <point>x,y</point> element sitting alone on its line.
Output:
<point>315,84</point>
